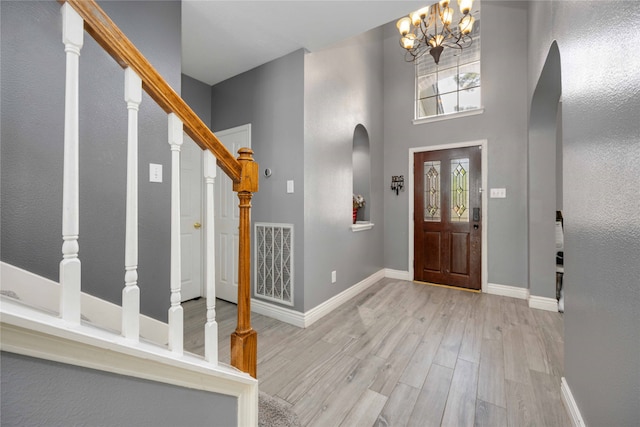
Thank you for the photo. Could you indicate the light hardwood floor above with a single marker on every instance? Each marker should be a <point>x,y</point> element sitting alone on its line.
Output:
<point>406,354</point>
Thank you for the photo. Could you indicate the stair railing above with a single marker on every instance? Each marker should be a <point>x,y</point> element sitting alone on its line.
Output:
<point>79,15</point>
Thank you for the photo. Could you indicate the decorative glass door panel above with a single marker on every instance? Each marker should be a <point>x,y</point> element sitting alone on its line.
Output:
<point>432,196</point>
<point>460,190</point>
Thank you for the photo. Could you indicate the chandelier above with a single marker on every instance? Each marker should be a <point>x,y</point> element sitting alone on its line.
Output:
<point>429,30</point>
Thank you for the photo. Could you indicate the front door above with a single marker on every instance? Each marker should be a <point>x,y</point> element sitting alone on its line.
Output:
<point>447,217</point>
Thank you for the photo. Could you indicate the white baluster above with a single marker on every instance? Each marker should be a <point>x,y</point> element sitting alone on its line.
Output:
<point>131,291</point>
<point>175,311</point>
<point>211,327</point>
<point>72,37</point>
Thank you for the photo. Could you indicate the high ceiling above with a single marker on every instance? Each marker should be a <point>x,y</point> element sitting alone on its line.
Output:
<point>221,39</point>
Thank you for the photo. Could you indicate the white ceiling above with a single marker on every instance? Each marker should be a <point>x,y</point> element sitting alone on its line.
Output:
<point>222,38</point>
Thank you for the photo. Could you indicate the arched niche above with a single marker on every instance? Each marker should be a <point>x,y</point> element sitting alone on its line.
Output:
<point>361,162</point>
<point>545,176</point>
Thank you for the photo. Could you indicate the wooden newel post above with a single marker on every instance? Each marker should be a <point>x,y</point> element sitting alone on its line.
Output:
<point>244,341</point>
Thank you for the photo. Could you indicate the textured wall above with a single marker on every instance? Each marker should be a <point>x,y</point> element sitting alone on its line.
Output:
<point>601,154</point>
<point>32,138</point>
<point>503,124</point>
<point>343,88</point>
<point>270,98</point>
<point>198,95</point>
<point>38,392</point>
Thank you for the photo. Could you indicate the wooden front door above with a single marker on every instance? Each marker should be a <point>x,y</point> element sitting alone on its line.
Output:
<point>447,217</point>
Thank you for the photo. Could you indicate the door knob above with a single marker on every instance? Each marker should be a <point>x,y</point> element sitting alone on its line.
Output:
<point>197,225</point>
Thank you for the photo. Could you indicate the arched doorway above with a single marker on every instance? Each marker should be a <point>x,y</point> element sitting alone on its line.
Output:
<point>545,181</point>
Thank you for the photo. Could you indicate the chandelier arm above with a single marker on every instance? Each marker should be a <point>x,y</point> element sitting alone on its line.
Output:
<point>445,27</point>
<point>424,26</point>
<point>461,42</point>
<point>435,9</point>
<point>467,39</point>
<point>431,16</point>
<point>413,55</point>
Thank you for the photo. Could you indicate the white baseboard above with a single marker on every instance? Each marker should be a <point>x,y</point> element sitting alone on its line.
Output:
<point>570,404</point>
<point>319,311</point>
<point>283,314</point>
<point>304,320</point>
<point>507,291</point>
<point>308,318</point>
<point>397,274</point>
<point>543,303</point>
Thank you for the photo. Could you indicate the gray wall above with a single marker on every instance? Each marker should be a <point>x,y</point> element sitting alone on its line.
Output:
<point>330,92</point>
<point>198,95</point>
<point>503,124</point>
<point>39,392</point>
<point>33,63</point>
<point>343,88</point>
<point>601,153</point>
<point>270,97</point>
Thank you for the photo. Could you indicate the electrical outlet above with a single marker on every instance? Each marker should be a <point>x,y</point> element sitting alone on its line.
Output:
<point>498,193</point>
<point>333,276</point>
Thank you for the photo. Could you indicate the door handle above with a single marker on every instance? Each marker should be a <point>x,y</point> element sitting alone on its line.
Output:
<point>197,225</point>
<point>476,214</point>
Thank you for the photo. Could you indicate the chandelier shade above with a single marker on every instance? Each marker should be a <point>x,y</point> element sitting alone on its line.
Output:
<point>430,29</point>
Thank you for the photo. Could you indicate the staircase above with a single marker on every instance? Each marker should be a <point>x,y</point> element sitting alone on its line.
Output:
<point>56,321</point>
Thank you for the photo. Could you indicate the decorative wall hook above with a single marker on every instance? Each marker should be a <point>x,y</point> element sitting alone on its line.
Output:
<point>397,183</point>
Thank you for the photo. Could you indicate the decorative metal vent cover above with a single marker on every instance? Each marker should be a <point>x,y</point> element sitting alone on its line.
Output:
<point>274,262</point>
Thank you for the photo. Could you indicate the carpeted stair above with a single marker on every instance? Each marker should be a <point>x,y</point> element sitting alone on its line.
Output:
<point>274,412</point>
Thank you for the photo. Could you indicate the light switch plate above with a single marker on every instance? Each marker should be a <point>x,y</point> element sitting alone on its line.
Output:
<point>498,193</point>
<point>155,172</point>
<point>290,186</point>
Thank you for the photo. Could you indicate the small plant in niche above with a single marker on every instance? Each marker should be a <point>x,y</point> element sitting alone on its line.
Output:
<point>358,202</point>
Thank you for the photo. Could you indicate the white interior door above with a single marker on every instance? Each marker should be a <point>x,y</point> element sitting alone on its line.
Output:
<point>191,228</point>
<point>227,217</point>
